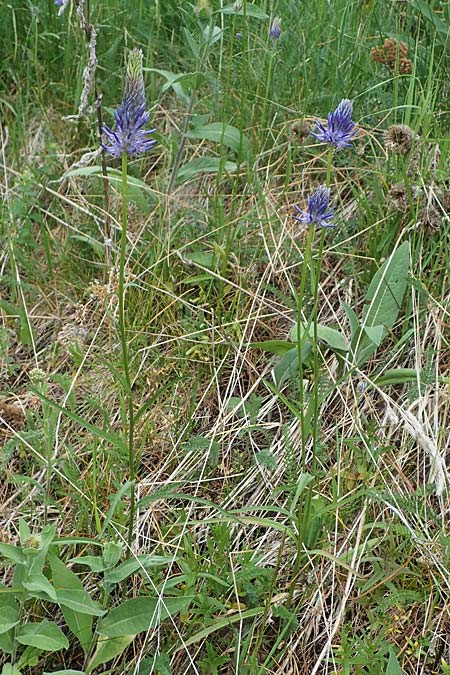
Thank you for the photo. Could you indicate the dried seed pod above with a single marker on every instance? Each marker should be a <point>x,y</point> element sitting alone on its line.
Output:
<point>399,138</point>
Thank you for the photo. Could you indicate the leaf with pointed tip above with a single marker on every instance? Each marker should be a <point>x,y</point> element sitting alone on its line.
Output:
<point>80,623</point>
<point>107,649</point>
<point>139,614</point>
<point>44,635</point>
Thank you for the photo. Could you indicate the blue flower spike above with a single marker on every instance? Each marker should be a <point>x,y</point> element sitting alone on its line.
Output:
<point>275,30</point>
<point>340,130</point>
<point>129,137</point>
<point>319,211</point>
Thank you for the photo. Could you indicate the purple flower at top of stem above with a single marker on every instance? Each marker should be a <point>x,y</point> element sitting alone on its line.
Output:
<point>340,129</point>
<point>275,30</point>
<point>319,211</point>
<point>128,136</point>
<point>59,2</point>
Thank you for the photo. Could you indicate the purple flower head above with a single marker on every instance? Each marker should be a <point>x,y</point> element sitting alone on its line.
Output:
<point>59,2</point>
<point>128,135</point>
<point>340,130</point>
<point>275,30</point>
<point>319,212</point>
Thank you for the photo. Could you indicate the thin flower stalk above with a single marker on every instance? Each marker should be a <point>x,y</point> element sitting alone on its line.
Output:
<point>128,139</point>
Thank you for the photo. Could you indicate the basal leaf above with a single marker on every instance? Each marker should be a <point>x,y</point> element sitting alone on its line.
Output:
<point>249,10</point>
<point>133,565</point>
<point>107,649</point>
<point>375,334</point>
<point>44,635</point>
<point>222,133</point>
<point>204,165</point>
<point>79,601</point>
<point>37,583</point>
<point>80,623</point>
<point>332,337</point>
<point>9,669</point>
<point>9,617</point>
<point>393,666</point>
<point>387,289</point>
<point>279,347</point>
<point>11,552</point>
<point>139,614</point>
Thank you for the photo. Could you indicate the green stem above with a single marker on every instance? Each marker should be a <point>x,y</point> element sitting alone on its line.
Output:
<point>329,166</point>
<point>303,518</point>
<point>316,347</point>
<point>124,345</point>
<point>302,338</point>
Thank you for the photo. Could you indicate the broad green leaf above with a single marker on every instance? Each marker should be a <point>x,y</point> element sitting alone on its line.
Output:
<point>333,338</point>
<point>212,36</point>
<point>375,334</point>
<point>94,562</point>
<point>80,623</point>
<point>107,649</point>
<point>249,10</point>
<point>9,617</point>
<point>192,42</point>
<point>29,657</point>
<point>26,337</point>
<point>206,259</point>
<point>111,554</point>
<point>24,531</point>
<point>313,526</point>
<point>352,318</point>
<point>8,607</point>
<point>302,482</point>
<point>140,614</point>
<point>7,643</point>
<point>287,368</point>
<point>133,565</point>
<point>37,583</point>
<point>178,81</point>
<point>35,561</point>
<point>79,601</point>
<point>386,290</point>
<point>46,537</point>
<point>204,165</point>
<point>7,597</point>
<point>279,347</point>
<point>393,666</point>
<point>44,635</point>
<point>13,553</point>
<point>222,133</point>
<point>9,669</point>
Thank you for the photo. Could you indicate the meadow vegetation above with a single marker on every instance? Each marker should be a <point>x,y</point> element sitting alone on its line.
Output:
<point>223,421</point>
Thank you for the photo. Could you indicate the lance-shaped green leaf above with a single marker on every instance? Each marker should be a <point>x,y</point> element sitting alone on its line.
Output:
<point>224,134</point>
<point>44,635</point>
<point>139,614</point>
<point>79,622</point>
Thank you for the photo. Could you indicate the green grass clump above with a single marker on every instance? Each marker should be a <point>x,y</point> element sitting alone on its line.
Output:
<point>289,386</point>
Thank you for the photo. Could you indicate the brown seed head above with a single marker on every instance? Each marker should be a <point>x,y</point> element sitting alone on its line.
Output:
<point>399,138</point>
